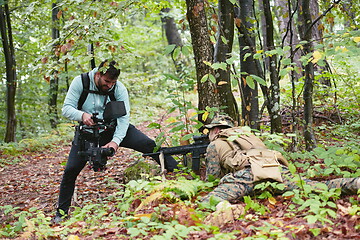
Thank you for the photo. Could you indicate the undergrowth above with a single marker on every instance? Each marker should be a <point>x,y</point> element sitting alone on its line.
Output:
<point>12,153</point>
<point>171,209</point>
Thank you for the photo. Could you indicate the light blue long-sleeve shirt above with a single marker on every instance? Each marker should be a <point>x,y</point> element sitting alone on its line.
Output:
<point>95,104</point>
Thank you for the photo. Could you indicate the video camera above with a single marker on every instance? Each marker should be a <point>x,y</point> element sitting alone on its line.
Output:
<point>88,137</point>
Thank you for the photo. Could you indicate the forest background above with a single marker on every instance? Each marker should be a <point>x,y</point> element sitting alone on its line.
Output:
<point>285,68</point>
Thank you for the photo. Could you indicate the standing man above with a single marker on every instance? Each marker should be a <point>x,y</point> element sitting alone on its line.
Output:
<point>242,160</point>
<point>103,84</point>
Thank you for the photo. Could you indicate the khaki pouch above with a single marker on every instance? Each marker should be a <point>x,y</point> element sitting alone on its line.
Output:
<point>264,164</point>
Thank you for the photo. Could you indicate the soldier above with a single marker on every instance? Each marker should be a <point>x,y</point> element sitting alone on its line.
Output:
<point>242,160</point>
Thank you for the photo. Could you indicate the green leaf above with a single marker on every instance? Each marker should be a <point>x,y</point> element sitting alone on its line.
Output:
<point>231,60</point>
<point>311,219</point>
<point>332,204</point>
<point>315,231</point>
<point>286,61</point>
<point>154,125</point>
<point>258,79</point>
<point>185,50</point>
<point>246,56</point>
<point>250,82</point>
<point>187,137</point>
<point>172,76</point>
<point>283,72</point>
<point>204,78</point>
<point>176,53</point>
<point>207,63</point>
<point>328,171</point>
<point>169,49</point>
<point>257,55</point>
<point>220,65</point>
<point>223,39</point>
<point>212,78</point>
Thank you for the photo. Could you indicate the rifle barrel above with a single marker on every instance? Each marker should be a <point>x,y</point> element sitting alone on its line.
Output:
<point>196,149</point>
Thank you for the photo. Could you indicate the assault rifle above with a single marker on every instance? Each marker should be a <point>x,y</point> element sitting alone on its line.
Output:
<point>197,150</point>
<point>88,137</point>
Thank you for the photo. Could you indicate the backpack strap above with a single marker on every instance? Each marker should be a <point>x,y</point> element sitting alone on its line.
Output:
<point>86,90</point>
<point>112,94</point>
<point>86,85</point>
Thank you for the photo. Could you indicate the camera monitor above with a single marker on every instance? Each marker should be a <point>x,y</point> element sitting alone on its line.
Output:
<point>113,110</point>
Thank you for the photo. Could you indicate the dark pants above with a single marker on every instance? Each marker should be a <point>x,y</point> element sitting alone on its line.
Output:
<point>134,139</point>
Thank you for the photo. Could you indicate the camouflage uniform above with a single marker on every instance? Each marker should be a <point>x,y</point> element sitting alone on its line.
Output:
<point>236,184</point>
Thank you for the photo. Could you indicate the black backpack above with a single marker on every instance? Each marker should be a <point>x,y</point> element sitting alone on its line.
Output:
<point>86,90</point>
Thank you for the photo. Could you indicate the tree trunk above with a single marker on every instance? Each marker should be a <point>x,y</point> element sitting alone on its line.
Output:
<point>90,50</point>
<point>289,33</point>
<point>173,38</point>
<point>54,80</point>
<point>275,116</point>
<point>203,51</point>
<point>350,14</point>
<point>171,31</point>
<point>223,48</point>
<point>250,102</point>
<point>290,37</point>
<point>317,35</point>
<point>305,34</point>
<point>9,52</point>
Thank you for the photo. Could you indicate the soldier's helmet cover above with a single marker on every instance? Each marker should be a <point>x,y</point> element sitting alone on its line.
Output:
<point>221,121</point>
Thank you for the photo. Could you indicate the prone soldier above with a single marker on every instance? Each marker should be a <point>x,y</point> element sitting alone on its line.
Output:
<point>242,160</point>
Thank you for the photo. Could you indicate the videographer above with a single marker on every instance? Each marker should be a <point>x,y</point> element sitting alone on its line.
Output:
<point>103,81</point>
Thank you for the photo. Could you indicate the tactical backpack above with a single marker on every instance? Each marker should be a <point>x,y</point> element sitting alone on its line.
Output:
<point>247,149</point>
<point>86,90</point>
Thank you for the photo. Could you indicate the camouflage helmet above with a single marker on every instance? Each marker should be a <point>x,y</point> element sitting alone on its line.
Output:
<point>221,121</point>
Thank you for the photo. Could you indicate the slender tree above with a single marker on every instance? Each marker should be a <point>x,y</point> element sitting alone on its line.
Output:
<point>9,52</point>
<point>203,52</point>
<point>173,38</point>
<point>305,34</point>
<point>317,35</point>
<point>250,103</point>
<point>54,80</point>
<point>285,13</point>
<point>274,90</point>
<point>171,30</point>
<point>223,49</point>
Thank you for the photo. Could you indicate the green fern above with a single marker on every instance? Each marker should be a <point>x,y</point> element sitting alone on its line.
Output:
<point>186,189</point>
<point>175,190</point>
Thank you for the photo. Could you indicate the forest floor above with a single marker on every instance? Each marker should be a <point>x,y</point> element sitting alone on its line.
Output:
<point>34,182</point>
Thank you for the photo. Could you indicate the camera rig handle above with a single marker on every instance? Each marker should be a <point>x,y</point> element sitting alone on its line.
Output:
<point>90,145</point>
<point>95,155</point>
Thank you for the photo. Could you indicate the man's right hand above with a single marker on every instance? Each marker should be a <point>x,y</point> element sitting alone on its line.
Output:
<point>87,120</point>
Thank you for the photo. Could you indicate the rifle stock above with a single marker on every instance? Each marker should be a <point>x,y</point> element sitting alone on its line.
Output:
<point>197,150</point>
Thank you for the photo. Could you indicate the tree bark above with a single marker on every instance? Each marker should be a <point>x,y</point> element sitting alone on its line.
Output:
<point>350,13</point>
<point>203,52</point>
<point>305,34</point>
<point>289,33</point>
<point>275,116</point>
<point>317,35</point>
<point>171,31</point>
<point>9,52</point>
<point>173,38</point>
<point>223,48</point>
<point>54,80</point>
<point>90,50</point>
<point>250,103</point>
